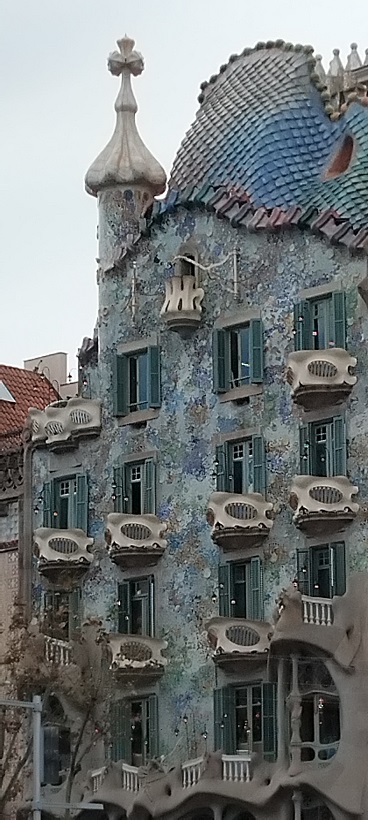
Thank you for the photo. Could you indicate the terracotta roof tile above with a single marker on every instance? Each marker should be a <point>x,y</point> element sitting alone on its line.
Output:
<point>29,389</point>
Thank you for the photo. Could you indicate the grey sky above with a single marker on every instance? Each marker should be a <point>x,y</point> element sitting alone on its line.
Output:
<point>57,113</point>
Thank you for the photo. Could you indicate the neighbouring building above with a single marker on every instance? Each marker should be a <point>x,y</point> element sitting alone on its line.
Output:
<point>206,494</point>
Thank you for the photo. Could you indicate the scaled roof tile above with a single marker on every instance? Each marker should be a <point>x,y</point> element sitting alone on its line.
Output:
<point>28,389</point>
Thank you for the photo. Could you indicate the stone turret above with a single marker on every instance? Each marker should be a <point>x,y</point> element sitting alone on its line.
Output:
<point>125,176</point>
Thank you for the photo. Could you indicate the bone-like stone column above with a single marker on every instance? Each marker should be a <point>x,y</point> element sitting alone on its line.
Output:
<point>295,706</point>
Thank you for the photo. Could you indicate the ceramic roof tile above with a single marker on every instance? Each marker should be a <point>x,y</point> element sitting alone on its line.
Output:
<point>28,389</point>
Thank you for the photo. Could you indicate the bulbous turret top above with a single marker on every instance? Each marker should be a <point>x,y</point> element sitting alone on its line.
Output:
<point>125,160</point>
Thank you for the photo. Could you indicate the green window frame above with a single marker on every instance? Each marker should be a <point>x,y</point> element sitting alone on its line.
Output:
<point>240,587</point>
<point>136,381</point>
<point>65,502</point>
<point>136,607</point>
<point>237,356</point>
<point>55,753</point>
<point>128,734</point>
<point>320,323</point>
<point>321,569</point>
<point>252,473</point>
<point>134,487</point>
<point>63,613</point>
<point>323,447</point>
<point>226,717</point>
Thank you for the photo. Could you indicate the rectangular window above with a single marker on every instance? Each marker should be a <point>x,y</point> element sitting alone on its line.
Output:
<point>65,502</point>
<point>134,730</point>
<point>55,744</point>
<point>245,719</point>
<point>241,466</point>
<point>321,570</point>
<point>136,381</point>
<point>136,606</point>
<point>241,589</point>
<point>320,323</point>
<point>62,612</point>
<point>323,447</point>
<point>238,356</point>
<point>134,487</point>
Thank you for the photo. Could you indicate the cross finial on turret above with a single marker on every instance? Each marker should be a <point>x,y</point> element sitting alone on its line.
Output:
<point>125,58</point>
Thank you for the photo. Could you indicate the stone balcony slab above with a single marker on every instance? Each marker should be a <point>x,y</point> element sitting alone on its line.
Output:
<point>320,378</point>
<point>135,540</point>
<point>62,554</point>
<point>137,656</point>
<point>239,521</point>
<point>321,504</point>
<point>236,641</point>
<point>65,421</point>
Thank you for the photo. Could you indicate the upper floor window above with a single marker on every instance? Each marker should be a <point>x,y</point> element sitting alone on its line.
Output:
<point>320,726</point>
<point>134,487</point>
<point>62,613</point>
<point>136,606</point>
<point>241,589</point>
<point>320,323</point>
<point>237,356</point>
<point>245,719</point>
<point>65,502</point>
<point>323,447</point>
<point>55,760</point>
<point>134,730</point>
<point>240,466</point>
<point>136,381</point>
<point>321,570</point>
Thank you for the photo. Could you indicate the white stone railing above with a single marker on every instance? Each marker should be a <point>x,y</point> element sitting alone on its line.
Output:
<point>230,513</point>
<point>136,652</point>
<point>62,546</point>
<point>191,771</point>
<point>182,305</point>
<point>58,652</point>
<point>131,537</point>
<point>239,637</point>
<point>97,777</point>
<point>317,611</point>
<point>315,372</point>
<point>236,768</point>
<point>130,779</point>
<point>313,496</point>
<point>63,420</point>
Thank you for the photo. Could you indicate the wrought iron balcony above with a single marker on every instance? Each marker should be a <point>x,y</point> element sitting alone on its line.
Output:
<point>135,540</point>
<point>320,377</point>
<point>62,554</point>
<point>137,655</point>
<point>322,504</point>
<point>239,520</point>
<point>65,421</point>
<point>236,641</point>
<point>182,305</point>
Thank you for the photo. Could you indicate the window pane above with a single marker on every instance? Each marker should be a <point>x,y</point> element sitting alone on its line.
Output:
<point>241,718</point>
<point>244,354</point>
<point>142,381</point>
<point>239,608</point>
<point>329,720</point>
<point>321,573</point>
<point>133,383</point>
<point>257,714</point>
<point>320,450</point>
<point>321,323</point>
<point>137,738</point>
<point>135,488</point>
<point>307,721</point>
<point>234,358</point>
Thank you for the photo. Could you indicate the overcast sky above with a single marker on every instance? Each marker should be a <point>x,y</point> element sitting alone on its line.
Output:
<point>57,113</point>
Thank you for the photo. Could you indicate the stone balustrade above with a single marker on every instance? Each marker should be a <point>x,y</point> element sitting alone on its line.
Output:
<point>321,503</point>
<point>317,611</point>
<point>57,652</point>
<point>62,550</point>
<point>239,520</point>
<point>235,639</point>
<point>130,779</point>
<point>97,778</point>
<point>64,421</point>
<point>132,654</point>
<point>191,772</point>
<point>182,305</point>
<point>320,377</point>
<point>135,540</point>
<point>236,768</point>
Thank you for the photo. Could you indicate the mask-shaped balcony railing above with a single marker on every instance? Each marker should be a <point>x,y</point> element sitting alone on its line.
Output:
<point>239,520</point>
<point>135,540</point>
<point>236,640</point>
<point>62,553</point>
<point>320,377</point>
<point>322,504</point>
<point>182,305</point>
<point>65,421</point>
<point>137,655</point>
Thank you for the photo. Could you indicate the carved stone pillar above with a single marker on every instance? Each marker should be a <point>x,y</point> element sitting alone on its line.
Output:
<point>281,717</point>
<point>297,800</point>
<point>294,702</point>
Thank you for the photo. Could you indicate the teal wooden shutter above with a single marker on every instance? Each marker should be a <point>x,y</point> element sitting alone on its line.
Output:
<point>259,465</point>
<point>224,590</point>
<point>224,719</point>
<point>269,720</point>
<point>75,612</point>
<point>151,605</point>
<point>149,489</point>
<point>47,494</point>
<point>120,384</point>
<point>124,608</point>
<point>82,503</point>
<point>339,568</point>
<point>303,571</point>
<point>256,351</point>
<point>303,338</point>
<point>222,468</point>
<point>120,731</point>
<point>220,356</point>
<point>305,449</point>
<point>119,489</point>
<point>153,738</point>
<point>154,378</point>
<point>256,589</point>
<point>339,318</point>
<point>339,445</point>
<point>51,758</point>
